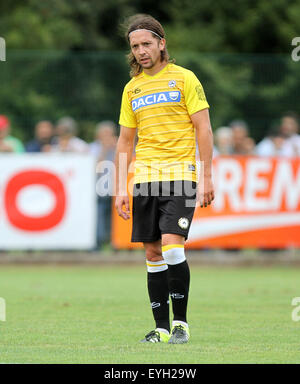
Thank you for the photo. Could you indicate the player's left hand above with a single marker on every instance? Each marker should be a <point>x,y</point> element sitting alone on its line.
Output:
<point>205,193</point>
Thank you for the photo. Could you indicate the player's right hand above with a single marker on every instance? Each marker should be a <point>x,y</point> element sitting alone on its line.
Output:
<point>119,203</point>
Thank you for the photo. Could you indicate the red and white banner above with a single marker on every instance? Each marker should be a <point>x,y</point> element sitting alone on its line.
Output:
<point>257,204</point>
<point>47,201</point>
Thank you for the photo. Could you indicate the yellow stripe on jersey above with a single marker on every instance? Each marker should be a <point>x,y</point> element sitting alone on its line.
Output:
<point>160,107</point>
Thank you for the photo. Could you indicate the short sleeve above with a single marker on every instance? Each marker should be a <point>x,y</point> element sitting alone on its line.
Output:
<point>127,116</point>
<point>195,99</point>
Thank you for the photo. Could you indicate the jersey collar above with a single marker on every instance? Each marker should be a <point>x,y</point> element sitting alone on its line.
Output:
<point>158,74</point>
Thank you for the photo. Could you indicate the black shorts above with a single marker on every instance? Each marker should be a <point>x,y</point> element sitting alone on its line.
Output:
<point>162,207</point>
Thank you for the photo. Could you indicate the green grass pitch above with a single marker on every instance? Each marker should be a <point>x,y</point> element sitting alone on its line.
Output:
<point>98,314</point>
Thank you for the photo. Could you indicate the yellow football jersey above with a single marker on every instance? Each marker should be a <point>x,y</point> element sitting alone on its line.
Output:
<point>160,107</point>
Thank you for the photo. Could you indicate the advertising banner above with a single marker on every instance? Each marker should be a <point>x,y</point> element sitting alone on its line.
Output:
<point>47,201</point>
<point>257,205</point>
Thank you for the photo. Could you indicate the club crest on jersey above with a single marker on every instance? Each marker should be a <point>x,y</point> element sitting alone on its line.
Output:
<point>172,83</point>
<point>156,98</point>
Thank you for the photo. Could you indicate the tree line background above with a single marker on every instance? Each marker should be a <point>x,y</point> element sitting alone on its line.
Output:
<point>67,57</point>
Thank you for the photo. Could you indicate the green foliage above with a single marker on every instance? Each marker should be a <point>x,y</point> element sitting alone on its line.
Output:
<point>39,24</point>
<point>251,26</point>
<point>248,26</point>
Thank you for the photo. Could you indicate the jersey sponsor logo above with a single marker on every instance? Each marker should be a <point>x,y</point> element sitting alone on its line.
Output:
<point>156,98</point>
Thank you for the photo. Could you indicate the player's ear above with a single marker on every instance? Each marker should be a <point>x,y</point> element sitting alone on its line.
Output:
<point>162,44</point>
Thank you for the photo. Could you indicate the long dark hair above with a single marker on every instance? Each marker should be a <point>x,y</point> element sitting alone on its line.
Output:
<point>142,21</point>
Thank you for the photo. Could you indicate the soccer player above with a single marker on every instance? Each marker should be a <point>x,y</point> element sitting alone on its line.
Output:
<point>166,105</point>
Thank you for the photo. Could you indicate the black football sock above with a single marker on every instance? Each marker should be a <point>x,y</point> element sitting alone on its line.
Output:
<point>158,290</point>
<point>179,282</point>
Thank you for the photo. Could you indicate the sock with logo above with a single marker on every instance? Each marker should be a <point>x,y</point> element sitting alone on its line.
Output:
<point>178,279</point>
<point>158,289</point>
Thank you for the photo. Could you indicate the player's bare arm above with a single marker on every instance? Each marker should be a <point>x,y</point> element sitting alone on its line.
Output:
<point>123,159</point>
<point>204,134</point>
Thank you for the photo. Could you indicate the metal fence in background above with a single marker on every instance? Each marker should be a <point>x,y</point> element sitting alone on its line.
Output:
<point>88,86</point>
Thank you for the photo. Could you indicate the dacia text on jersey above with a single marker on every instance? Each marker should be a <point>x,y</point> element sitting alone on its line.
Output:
<point>156,98</point>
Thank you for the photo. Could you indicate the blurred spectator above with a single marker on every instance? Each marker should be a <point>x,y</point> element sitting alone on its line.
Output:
<point>8,143</point>
<point>291,147</point>
<point>44,132</point>
<point>290,129</point>
<point>66,129</point>
<point>282,140</point>
<point>272,144</point>
<point>289,125</point>
<point>239,134</point>
<point>103,148</point>
<point>223,141</point>
<point>248,146</point>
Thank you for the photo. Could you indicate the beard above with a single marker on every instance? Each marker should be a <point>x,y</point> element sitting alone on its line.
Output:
<point>149,64</point>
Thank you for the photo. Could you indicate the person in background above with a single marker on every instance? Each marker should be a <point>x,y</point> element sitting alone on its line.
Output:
<point>44,136</point>
<point>239,134</point>
<point>289,125</point>
<point>248,146</point>
<point>67,141</point>
<point>223,141</point>
<point>8,143</point>
<point>290,130</point>
<point>103,148</point>
<point>272,144</point>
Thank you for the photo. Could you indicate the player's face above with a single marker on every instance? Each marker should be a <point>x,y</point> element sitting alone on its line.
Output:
<point>146,48</point>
